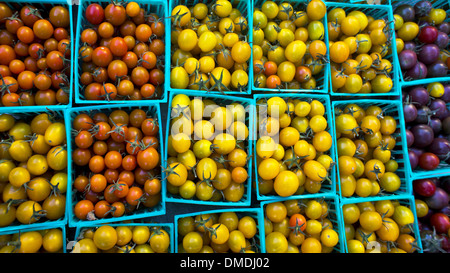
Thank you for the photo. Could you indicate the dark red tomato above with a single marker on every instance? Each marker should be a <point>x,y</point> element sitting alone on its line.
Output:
<point>95,14</point>
<point>428,34</point>
<point>440,222</point>
<point>428,161</point>
<point>424,187</point>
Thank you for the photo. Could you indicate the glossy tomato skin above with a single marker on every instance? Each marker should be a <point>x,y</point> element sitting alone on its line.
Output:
<point>440,222</point>
<point>428,161</point>
<point>95,14</point>
<point>424,187</point>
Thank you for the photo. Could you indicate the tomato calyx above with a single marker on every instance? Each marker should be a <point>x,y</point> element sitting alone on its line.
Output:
<point>33,11</point>
<point>207,180</point>
<point>37,214</point>
<point>13,202</point>
<point>219,159</point>
<point>59,149</point>
<point>156,231</point>
<point>198,80</point>
<point>376,170</point>
<point>213,230</point>
<point>431,242</point>
<point>364,236</point>
<point>252,245</point>
<point>171,170</point>
<point>126,248</point>
<point>294,161</point>
<point>286,9</point>
<point>108,96</point>
<point>202,222</point>
<point>218,83</point>
<point>16,244</point>
<point>298,228</point>
<point>177,18</point>
<point>315,62</point>
<point>117,129</point>
<point>137,145</point>
<point>4,87</point>
<point>180,110</point>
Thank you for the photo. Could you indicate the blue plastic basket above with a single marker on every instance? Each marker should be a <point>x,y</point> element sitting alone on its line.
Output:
<point>443,168</point>
<point>46,6</point>
<point>244,6</point>
<point>249,119</point>
<point>168,227</point>
<point>321,77</point>
<point>60,226</point>
<point>405,200</point>
<point>377,12</point>
<point>158,7</point>
<point>325,188</point>
<point>399,153</point>
<point>442,4</point>
<point>29,113</point>
<point>334,216</point>
<point>71,113</point>
<point>255,213</point>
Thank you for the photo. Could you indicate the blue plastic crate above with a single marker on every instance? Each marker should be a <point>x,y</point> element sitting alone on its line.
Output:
<point>377,12</point>
<point>321,78</point>
<point>244,6</point>
<point>46,6</point>
<point>158,7</point>
<point>334,216</point>
<point>326,187</point>
<point>405,200</point>
<point>61,226</point>
<point>255,213</point>
<point>443,168</point>
<point>160,209</point>
<point>399,153</point>
<point>29,113</point>
<point>442,4</point>
<point>168,227</point>
<point>249,119</point>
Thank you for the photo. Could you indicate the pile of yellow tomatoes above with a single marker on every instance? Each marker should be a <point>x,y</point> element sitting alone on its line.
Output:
<point>218,232</point>
<point>50,240</point>
<point>210,47</point>
<point>207,149</point>
<point>359,46</point>
<point>383,226</point>
<point>293,146</point>
<point>123,239</point>
<point>365,139</point>
<point>289,50</point>
<point>33,168</point>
